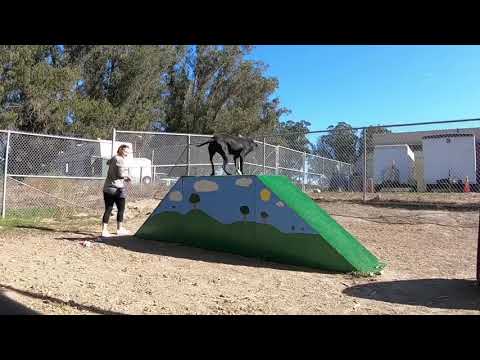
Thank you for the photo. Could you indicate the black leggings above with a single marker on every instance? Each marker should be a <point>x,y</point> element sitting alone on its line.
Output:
<point>109,201</point>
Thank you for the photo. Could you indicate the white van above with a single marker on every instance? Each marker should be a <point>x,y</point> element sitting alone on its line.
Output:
<point>140,170</point>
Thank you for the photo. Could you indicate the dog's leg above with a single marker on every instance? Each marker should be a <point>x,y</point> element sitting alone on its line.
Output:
<point>211,152</point>
<point>225,163</point>
<point>241,165</point>
<point>236,168</point>
<point>225,159</point>
<point>211,162</point>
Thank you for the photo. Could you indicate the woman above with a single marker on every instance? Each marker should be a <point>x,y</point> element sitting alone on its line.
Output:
<point>114,190</point>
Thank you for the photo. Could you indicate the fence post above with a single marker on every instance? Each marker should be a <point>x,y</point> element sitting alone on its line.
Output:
<point>350,181</point>
<point>153,167</point>
<point>304,170</point>
<point>264,156</point>
<point>188,154</point>
<point>141,179</point>
<point>5,171</point>
<point>277,149</point>
<point>322,185</point>
<point>114,136</point>
<point>365,165</point>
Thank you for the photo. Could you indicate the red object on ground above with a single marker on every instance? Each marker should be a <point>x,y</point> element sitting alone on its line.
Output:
<point>466,187</point>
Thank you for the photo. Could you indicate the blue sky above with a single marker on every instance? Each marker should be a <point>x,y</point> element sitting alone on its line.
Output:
<point>370,85</point>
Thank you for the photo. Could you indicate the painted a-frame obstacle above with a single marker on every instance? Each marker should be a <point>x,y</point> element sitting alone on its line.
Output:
<point>266,217</point>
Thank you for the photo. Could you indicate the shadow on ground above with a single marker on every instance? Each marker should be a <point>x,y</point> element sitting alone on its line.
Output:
<point>11,307</point>
<point>456,294</point>
<point>44,228</point>
<point>133,243</point>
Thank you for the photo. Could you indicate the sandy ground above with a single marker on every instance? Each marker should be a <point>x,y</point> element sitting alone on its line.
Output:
<point>452,199</point>
<point>430,256</point>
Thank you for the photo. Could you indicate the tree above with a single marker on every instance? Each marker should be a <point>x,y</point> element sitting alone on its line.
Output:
<point>121,87</point>
<point>214,89</point>
<point>245,211</point>
<point>194,199</point>
<point>339,144</point>
<point>371,131</point>
<point>35,88</point>
<point>292,134</point>
<point>87,90</point>
<point>84,90</point>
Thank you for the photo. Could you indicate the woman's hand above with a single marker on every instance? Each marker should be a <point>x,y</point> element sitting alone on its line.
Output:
<point>127,178</point>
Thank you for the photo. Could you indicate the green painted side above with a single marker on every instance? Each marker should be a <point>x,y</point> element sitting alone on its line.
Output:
<point>349,248</point>
<point>244,238</point>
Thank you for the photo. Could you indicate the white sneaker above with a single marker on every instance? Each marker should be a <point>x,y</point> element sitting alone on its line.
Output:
<point>105,233</point>
<point>123,232</point>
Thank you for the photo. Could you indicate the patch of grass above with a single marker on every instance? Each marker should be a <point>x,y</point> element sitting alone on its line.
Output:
<point>359,274</point>
<point>17,222</point>
<point>32,217</point>
<point>33,213</point>
<point>28,217</point>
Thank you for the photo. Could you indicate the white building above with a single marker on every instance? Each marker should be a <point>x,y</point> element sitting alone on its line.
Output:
<point>415,141</point>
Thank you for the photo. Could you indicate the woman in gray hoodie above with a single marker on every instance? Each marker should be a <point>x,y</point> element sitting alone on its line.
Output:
<point>114,190</point>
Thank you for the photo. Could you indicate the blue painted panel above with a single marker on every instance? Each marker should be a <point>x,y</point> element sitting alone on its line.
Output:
<point>222,196</point>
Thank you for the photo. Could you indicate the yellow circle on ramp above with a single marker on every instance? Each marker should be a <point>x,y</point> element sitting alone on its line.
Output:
<point>265,195</point>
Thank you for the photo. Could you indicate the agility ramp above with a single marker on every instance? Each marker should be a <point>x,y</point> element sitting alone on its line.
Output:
<point>266,217</point>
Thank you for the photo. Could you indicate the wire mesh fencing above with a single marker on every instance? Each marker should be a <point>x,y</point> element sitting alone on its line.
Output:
<point>53,175</point>
<point>3,154</point>
<point>175,155</point>
<point>53,198</point>
<point>156,161</point>
<point>429,162</point>
<point>316,163</point>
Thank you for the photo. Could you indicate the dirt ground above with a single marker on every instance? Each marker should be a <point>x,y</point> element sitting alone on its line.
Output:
<point>430,256</point>
<point>451,200</point>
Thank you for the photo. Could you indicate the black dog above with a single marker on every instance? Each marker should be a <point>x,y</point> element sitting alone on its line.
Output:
<point>239,147</point>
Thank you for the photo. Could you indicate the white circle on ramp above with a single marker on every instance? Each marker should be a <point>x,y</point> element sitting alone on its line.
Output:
<point>205,186</point>
<point>175,196</point>
<point>244,182</point>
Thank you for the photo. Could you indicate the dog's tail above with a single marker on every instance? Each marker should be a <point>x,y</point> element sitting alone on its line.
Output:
<point>206,142</point>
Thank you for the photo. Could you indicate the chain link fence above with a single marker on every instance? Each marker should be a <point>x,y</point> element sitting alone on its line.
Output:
<point>49,175</point>
<point>3,154</point>
<point>434,162</point>
<point>309,164</point>
<point>422,162</point>
<point>173,155</point>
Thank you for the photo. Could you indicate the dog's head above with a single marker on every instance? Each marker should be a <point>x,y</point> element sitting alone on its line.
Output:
<point>251,142</point>
<point>248,139</point>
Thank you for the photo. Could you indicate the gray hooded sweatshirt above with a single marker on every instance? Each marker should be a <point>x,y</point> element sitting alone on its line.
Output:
<point>117,170</point>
